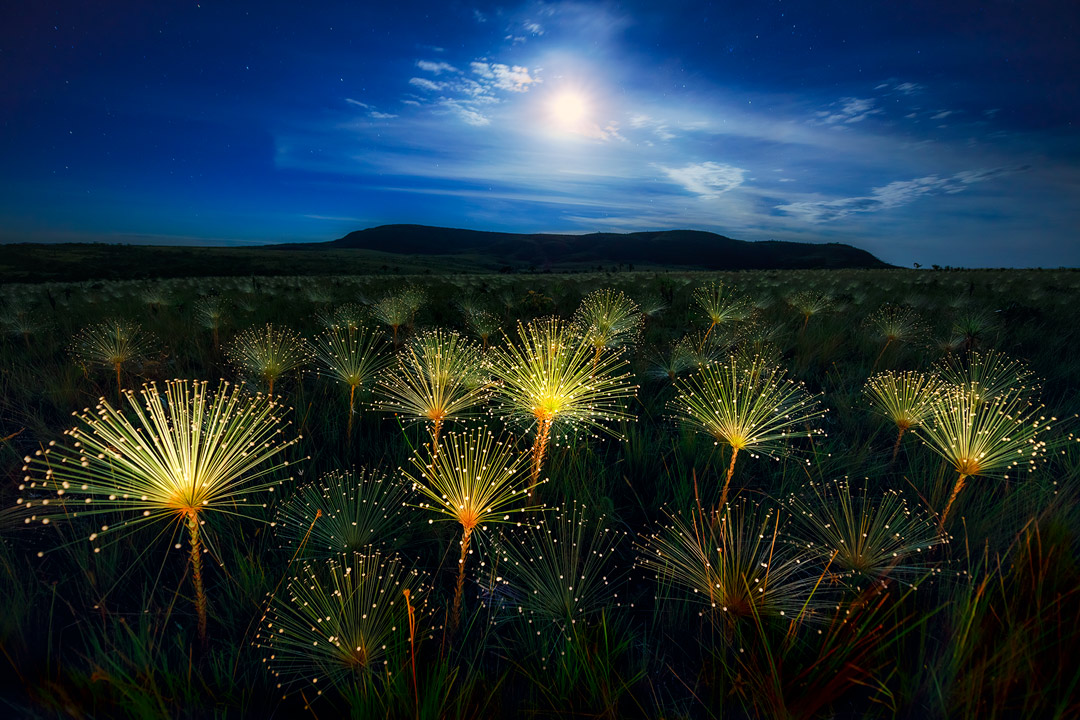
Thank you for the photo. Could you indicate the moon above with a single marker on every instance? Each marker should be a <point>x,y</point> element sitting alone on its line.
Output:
<point>569,109</point>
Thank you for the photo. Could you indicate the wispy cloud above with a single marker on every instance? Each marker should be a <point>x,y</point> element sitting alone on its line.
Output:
<point>848,110</point>
<point>466,113</point>
<point>436,67</point>
<point>905,88</point>
<point>372,112</point>
<point>706,179</point>
<point>908,88</point>
<point>425,84</point>
<point>895,194</point>
<point>515,78</point>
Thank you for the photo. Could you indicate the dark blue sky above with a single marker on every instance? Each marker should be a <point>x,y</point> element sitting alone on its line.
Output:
<point>931,132</point>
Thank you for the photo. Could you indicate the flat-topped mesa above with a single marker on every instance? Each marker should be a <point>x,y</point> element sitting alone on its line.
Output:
<point>688,248</point>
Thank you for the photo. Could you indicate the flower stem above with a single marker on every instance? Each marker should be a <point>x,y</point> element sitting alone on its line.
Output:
<point>348,427</point>
<point>896,445</point>
<point>702,345</point>
<point>455,619</point>
<point>727,480</point>
<point>539,450</point>
<point>956,491</point>
<point>412,651</point>
<point>196,571</point>
<point>888,341</point>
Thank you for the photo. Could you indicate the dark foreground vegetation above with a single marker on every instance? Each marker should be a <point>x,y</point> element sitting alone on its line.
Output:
<point>836,494</point>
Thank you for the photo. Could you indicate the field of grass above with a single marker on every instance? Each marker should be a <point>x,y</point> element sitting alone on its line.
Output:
<point>596,495</point>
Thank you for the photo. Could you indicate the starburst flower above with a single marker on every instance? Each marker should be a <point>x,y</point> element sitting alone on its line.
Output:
<point>473,480</point>
<point>549,379</point>
<point>267,353</point>
<point>988,437</point>
<point>607,319</point>
<point>348,316</point>
<point>864,537</point>
<point>809,303</point>
<point>352,357</point>
<point>987,374</point>
<point>433,381</point>
<point>676,359</point>
<point>114,344</point>
<point>157,296</point>
<point>973,327</point>
<point>341,512</point>
<point>720,305</point>
<point>342,619</point>
<point>19,319</point>
<point>739,563</point>
<point>904,398</point>
<point>561,565</point>
<point>483,324</point>
<point>177,456</point>
<point>895,324</point>
<point>746,406</point>
<point>393,311</point>
<point>652,306</point>
<point>210,313</point>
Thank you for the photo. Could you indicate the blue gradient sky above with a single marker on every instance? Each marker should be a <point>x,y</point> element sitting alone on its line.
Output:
<point>923,132</point>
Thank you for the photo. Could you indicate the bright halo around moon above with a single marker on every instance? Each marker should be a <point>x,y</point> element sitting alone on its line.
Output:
<point>569,110</point>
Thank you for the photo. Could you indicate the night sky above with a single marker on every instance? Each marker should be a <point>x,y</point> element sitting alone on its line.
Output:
<point>930,132</point>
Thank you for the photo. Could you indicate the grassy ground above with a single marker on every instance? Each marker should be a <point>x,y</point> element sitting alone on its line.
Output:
<point>983,624</point>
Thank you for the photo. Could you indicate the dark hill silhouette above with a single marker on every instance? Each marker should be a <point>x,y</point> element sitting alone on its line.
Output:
<point>683,248</point>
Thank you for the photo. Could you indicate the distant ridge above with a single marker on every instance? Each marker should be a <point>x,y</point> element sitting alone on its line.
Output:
<point>678,248</point>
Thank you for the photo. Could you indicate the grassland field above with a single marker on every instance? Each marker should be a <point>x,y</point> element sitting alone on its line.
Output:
<point>845,574</point>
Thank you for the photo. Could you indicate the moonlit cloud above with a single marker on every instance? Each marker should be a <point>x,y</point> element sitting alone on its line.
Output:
<point>850,110</point>
<point>435,67</point>
<point>887,197</point>
<point>425,84</point>
<point>707,179</point>
<point>504,77</point>
<point>469,115</point>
